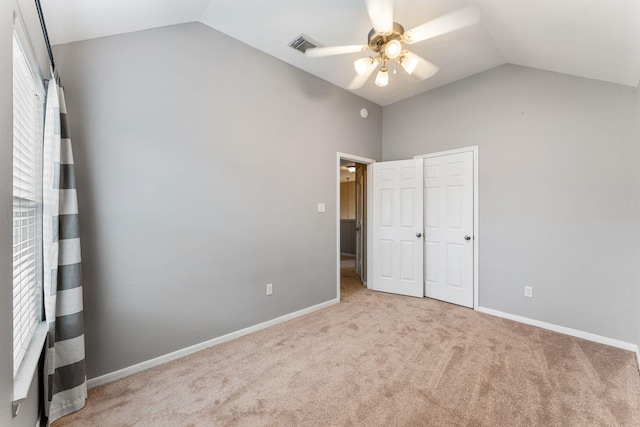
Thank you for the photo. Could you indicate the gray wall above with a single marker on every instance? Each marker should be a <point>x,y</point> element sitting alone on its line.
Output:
<point>29,410</point>
<point>200,162</point>
<point>558,182</point>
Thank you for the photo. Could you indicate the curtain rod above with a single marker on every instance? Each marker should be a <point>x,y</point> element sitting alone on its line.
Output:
<point>46,35</point>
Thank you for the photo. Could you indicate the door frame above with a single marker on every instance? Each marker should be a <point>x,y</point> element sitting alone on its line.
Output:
<point>476,232</point>
<point>366,161</point>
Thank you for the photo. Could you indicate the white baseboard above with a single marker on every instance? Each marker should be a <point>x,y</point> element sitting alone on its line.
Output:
<point>113,376</point>
<point>567,331</point>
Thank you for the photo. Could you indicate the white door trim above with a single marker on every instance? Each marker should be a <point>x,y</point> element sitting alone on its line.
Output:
<point>476,229</point>
<point>366,161</point>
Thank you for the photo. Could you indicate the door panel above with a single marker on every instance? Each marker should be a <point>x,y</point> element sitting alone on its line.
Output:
<point>448,207</point>
<point>386,259</point>
<point>398,249</point>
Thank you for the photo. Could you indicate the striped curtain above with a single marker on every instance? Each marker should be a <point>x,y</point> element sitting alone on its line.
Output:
<point>65,377</point>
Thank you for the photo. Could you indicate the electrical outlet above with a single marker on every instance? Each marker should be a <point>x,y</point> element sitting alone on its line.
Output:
<point>528,291</point>
<point>269,288</point>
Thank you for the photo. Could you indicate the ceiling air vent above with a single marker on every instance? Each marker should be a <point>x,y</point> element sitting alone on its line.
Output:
<point>303,42</point>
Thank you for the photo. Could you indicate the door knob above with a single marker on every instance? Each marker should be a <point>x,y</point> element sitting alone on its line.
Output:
<point>467,237</point>
<point>418,234</point>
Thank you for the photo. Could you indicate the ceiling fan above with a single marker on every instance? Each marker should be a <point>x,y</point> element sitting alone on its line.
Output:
<point>387,39</point>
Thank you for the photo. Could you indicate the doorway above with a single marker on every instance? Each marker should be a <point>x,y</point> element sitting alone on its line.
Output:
<point>352,220</point>
<point>353,214</point>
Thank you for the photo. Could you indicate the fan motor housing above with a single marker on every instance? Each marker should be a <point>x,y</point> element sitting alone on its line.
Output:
<point>377,40</point>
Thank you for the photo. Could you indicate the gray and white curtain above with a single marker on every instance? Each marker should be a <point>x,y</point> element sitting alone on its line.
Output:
<point>65,377</point>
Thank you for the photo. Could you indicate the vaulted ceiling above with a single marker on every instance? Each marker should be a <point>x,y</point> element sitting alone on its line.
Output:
<point>597,39</point>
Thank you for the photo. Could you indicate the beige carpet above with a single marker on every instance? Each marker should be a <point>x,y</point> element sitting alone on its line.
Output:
<point>381,360</point>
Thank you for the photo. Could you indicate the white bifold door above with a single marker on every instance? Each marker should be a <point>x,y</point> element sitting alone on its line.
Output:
<point>397,250</point>
<point>423,227</point>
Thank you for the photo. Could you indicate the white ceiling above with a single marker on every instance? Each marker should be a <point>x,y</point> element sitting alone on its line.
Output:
<point>598,39</point>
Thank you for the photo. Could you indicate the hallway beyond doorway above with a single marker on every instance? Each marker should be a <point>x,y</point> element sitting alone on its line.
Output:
<point>349,281</point>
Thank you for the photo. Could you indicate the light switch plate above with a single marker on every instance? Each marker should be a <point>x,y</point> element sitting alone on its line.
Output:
<point>322,207</point>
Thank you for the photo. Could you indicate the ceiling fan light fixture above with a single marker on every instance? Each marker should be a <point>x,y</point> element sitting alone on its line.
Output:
<point>409,62</point>
<point>351,168</point>
<point>362,65</point>
<point>387,38</point>
<point>382,79</point>
<point>393,49</point>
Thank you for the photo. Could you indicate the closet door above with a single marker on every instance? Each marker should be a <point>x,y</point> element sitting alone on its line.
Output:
<point>448,221</point>
<point>398,227</point>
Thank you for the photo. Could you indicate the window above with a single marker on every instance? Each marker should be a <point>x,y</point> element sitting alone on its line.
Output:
<point>28,113</point>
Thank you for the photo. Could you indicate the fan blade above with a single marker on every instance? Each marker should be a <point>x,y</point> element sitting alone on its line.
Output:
<point>381,15</point>
<point>450,22</point>
<point>424,69</point>
<point>319,52</point>
<point>360,80</point>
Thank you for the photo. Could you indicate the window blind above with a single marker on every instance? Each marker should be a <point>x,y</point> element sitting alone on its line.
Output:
<point>27,203</point>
